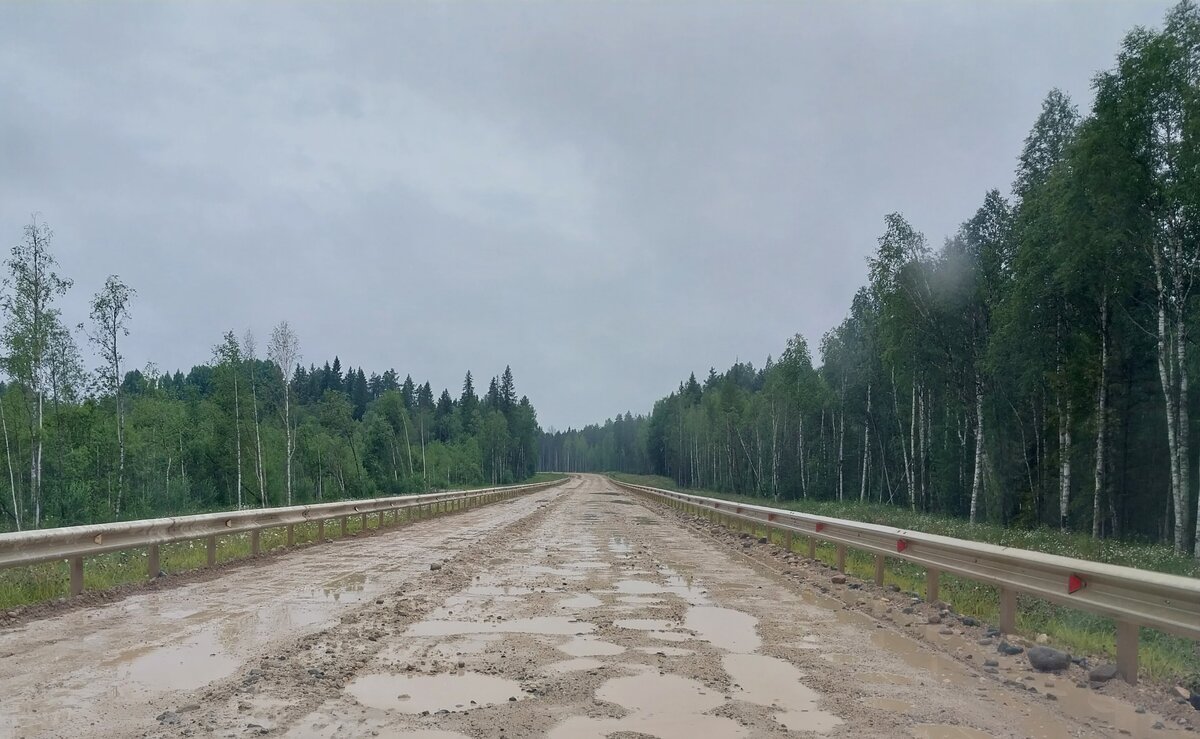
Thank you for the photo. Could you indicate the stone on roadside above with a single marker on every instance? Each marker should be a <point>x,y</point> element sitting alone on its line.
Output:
<point>1047,659</point>
<point>1009,649</point>
<point>1102,673</point>
<point>435,566</point>
<point>838,579</point>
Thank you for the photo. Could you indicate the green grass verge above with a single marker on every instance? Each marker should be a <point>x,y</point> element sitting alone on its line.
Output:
<point>1162,657</point>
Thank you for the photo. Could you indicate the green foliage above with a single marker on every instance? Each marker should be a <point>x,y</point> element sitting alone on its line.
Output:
<point>1031,373</point>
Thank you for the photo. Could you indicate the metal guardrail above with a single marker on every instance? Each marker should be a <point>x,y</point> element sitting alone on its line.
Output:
<point>1130,596</point>
<point>74,543</point>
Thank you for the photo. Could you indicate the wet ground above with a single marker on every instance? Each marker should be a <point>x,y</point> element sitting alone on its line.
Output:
<point>574,612</point>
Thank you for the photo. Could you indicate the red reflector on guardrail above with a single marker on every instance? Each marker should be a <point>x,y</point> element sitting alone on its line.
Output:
<point>901,545</point>
<point>770,516</point>
<point>820,527</point>
<point>1075,583</point>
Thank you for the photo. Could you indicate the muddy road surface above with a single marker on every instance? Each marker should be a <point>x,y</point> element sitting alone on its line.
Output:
<point>575,612</point>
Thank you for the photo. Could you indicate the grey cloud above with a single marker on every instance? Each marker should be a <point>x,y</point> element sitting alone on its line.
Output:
<point>606,196</point>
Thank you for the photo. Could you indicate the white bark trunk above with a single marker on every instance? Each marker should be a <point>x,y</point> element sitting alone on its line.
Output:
<point>977,476</point>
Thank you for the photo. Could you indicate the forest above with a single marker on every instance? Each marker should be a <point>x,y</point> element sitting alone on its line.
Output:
<point>1032,370</point>
<point>246,428</point>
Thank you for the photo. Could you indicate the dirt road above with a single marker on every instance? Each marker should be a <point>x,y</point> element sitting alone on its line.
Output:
<point>573,612</point>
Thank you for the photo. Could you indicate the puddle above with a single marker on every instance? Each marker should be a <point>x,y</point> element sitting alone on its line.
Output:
<point>665,651</point>
<point>581,601</point>
<point>670,636</point>
<point>619,546</point>
<point>645,624</point>
<point>432,692</point>
<point>915,656</point>
<point>185,666</point>
<point>548,625</point>
<point>639,600</point>
<point>726,628</point>
<point>774,683</point>
<point>588,647</point>
<point>948,731</point>
<point>890,705</point>
<point>638,587</point>
<point>590,565</point>
<point>352,583</point>
<point>575,665</point>
<point>663,706</point>
<point>839,658</point>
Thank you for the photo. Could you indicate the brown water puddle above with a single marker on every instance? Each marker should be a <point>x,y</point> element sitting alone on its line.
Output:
<point>419,693</point>
<point>891,705</point>
<point>590,647</point>
<point>186,666</point>
<point>774,683</point>
<point>733,631</point>
<point>663,706</point>
<point>544,625</point>
<point>645,624</point>
<point>587,565</point>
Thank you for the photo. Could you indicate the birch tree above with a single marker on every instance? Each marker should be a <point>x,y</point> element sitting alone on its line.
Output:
<point>31,324</point>
<point>110,318</point>
<point>284,352</point>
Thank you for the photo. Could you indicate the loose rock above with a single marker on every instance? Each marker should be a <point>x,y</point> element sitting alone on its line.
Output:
<point>1046,659</point>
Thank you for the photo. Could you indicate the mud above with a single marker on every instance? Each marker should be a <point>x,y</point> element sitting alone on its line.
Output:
<point>573,612</point>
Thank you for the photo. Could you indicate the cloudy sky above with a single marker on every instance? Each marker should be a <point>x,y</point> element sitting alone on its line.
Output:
<point>606,196</point>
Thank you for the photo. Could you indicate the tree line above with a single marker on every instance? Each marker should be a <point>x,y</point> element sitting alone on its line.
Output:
<point>1032,370</point>
<point>243,429</point>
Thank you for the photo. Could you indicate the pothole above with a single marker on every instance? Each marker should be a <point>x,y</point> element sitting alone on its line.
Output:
<point>774,683</point>
<point>432,693</point>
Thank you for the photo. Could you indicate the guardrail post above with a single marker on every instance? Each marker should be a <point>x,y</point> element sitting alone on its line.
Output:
<point>1127,651</point>
<point>345,525</point>
<point>291,536</point>
<point>152,561</point>
<point>76,575</point>
<point>321,530</point>
<point>788,540</point>
<point>812,547</point>
<point>364,526</point>
<point>931,584</point>
<point>1008,611</point>
<point>880,563</point>
<point>211,545</point>
<point>255,542</point>
<point>841,558</point>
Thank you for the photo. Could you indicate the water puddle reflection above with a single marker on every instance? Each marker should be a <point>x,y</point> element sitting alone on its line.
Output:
<point>774,683</point>
<point>663,706</point>
<point>419,693</point>
<point>733,631</point>
<point>589,647</point>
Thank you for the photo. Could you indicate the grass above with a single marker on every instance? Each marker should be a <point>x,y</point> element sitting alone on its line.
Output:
<point>48,581</point>
<point>1162,657</point>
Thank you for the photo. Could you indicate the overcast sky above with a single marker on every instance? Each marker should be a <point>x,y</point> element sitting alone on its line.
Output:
<point>606,196</point>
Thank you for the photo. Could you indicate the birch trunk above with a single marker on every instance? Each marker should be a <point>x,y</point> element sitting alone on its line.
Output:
<point>866,468</point>
<point>1064,466</point>
<point>12,478</point>
<point>977,477</point>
